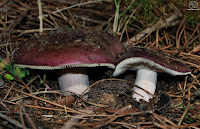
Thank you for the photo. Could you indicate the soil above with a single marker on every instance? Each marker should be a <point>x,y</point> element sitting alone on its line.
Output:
<point>117,93</point>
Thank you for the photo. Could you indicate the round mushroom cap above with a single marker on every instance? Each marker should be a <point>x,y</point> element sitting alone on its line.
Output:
<point>74,48</point>
<point>142,58</point>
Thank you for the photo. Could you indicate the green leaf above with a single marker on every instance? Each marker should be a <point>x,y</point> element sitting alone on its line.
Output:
<point>182,106</point>
<point>2,64</point>
<point>19,72</point>
<point>41,82</point>
<point>8,76</point>
<point>192,107</point>
<point>10,69</point>
<point>0,77</point>
<point>44,77</point>
<point>27,72</point>
<point>23,74</point>
<point>189,121</point>
<point>1,59</point>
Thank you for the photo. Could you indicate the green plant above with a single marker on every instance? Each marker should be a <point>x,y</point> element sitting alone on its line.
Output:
<point>43,79</point>
<point>118,15</point>
<point>147,11</point>
<point>192,18</point>
<point>13,71</point>
<point>187,119</point>
<point>145,14</point>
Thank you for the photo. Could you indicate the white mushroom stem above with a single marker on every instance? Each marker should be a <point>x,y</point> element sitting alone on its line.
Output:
<point>73,82</point>
<point>145,79</point>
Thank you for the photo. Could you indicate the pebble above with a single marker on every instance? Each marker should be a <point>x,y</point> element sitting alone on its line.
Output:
<point>1,82</point>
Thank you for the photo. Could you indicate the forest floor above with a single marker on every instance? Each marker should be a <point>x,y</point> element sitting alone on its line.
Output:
<point>31,98</point>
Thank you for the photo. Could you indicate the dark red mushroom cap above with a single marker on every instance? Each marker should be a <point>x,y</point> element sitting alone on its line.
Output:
<point>74,48</point>
<point>137,58</point>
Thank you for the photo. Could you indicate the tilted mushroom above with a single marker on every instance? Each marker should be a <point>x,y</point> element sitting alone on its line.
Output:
<point>148,63</point>
<point>73,51</point>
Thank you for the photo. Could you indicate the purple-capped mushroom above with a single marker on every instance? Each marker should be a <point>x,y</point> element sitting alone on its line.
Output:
<point>73,52</point>
<point>148,63</point>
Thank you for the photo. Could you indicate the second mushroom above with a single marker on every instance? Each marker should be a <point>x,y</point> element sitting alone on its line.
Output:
<point>148,63</point>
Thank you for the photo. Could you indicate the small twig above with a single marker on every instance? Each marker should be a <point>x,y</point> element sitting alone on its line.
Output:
<point>34,93</point>
<point>128,37</point>
<point>159,39</point>
<point>160,24</point>
<point>163,118</point>
<point>186,44</point>
<point>159,119</point>
<point>28,117</point>
<point>7,44</point>
<point>184,86</point>
<point>188,55</point>
<point>179,36</point>
<point>70,123</point>
<point>3,2</point>
<point>64,17</point>
<point>176,126</point>
<point>125,27</point>
<point>13,121</point>
<point>40,15</point>
<point>133,124</point>
<point>34,31</point>
<point>196,49</point>
<point>186,109</point>
<point>177,32</point>
<point>72,18</point>
<point>9,91</point>
<point>8,31</point>
<point>50,102</point>
<point>114,116</point>
<point>21,118</point>
<point>54,21</point>
<point>33,79</point>
<point>77,5</point>
<point>196,29</point>
<point>39,107</point>
<point>175,9</point>
<point>24,84</point>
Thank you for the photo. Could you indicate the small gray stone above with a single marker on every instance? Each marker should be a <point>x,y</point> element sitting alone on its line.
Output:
<point>1,82</point>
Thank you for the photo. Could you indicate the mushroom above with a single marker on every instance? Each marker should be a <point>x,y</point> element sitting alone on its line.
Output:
<point>72,52</point>
<point>148,63</point>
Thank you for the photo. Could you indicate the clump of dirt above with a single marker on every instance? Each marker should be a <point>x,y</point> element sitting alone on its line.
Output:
<point>118,93</point>
<point>114,93</point>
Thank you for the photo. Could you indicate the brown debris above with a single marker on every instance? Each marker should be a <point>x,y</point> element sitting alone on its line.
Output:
<point>162,26</point>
